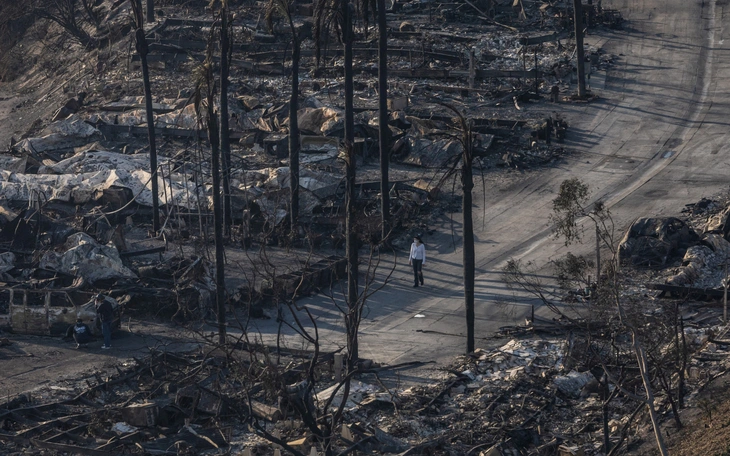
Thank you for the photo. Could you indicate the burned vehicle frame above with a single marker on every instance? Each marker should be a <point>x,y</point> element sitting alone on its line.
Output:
<point>49,312</point>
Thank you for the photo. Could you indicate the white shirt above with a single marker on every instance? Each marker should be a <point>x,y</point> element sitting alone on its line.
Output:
<point>418,252</point>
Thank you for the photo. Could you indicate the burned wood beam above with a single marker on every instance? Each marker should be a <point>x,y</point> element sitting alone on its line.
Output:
<point>429,73</point>
<point>182,45</point>
<point>453,382</point>
<point>12,438</point>
<point>454,57</point>
<point>169,48</point>
<point>420,34</point>
<point>114,442</point>
<point>356,445</point>
<point>72,449</point>
<point>134,253</point>
<point>41,426</point>
<point>421,73</point>
<point>419,449</point>
<point>438,87</point>
<point>262,51</point>
<point>257,68</point>
<point>477,121</point>
<point>69,434</point>
<point>200,45</point>
<point>677,290</point>
<point>261,68</point>
<point>110,130</point>
<point>134,106</point>
<point>182,21</point>
<point>528,41</point>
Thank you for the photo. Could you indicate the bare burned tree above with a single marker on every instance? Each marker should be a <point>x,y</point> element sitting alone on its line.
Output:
<point>338,14</point>
<point>142,50</point>
<point>383,128</point>
<point>465,163</point>
<point>295,382</point>
<point>225,139</point>
<point>580,52</point>
<point>66,14</point>
<point>90,12</point>
<point>468,255</point>
<point>283,9</point>
<point>205,85</point>
<point>570,210</point>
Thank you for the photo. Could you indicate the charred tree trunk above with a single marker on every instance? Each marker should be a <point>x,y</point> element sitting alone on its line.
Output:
<point>294,144</point>
<point>467,181</point>
<point>220,286</point>
<point>598,258</point>
<point>353,314</point>
<point>605,415</point>
<point>650,402</point>
<point>142,50</point>
<point>224,130</point>
<point>580,55</point>
<point>383,139</point>
<point>150,10</point>
<point>152,141</point>
<point>644,371</point>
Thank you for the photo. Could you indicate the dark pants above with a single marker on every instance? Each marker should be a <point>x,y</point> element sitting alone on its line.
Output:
<point>417,271</point>
<point>83,338</point>
<point>106,330</point>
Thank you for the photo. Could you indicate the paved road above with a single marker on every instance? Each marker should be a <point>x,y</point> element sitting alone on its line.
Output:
<point>655,141</point>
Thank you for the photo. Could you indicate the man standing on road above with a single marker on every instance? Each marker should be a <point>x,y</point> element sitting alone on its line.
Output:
<point>105,313</point>
<point>417,258</point>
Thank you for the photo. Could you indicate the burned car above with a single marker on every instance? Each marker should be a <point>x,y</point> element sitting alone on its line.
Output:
<point>49,312</point>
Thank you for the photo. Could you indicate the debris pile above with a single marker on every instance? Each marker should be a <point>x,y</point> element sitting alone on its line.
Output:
<point>524,397</point>
<point>692,255</point>
<point>94,143</point>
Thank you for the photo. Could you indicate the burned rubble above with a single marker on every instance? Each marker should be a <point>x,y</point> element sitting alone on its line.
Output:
<point>76,202</point>
<point>688,255</point>
<point>528,396</point>
<point>85,169</point>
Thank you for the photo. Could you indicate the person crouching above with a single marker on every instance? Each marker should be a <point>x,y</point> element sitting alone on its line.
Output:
<point>81,333</point>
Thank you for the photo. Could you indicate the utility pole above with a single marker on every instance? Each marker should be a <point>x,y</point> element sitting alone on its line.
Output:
<point>724,297</point>
<point>352,319</point>
<point>225,140</point>
<point>467,182</point>
<point>580,53</point>
<point>383,129</point>
<point>537,84</point>
<point>143,50</point>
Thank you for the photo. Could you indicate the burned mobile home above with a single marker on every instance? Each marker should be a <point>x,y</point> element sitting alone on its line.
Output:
<point>77,204</point>
<point>87,168</point>
<point>94,155</point>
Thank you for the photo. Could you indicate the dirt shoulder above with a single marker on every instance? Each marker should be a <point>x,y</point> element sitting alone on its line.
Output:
<point>705,423</point>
